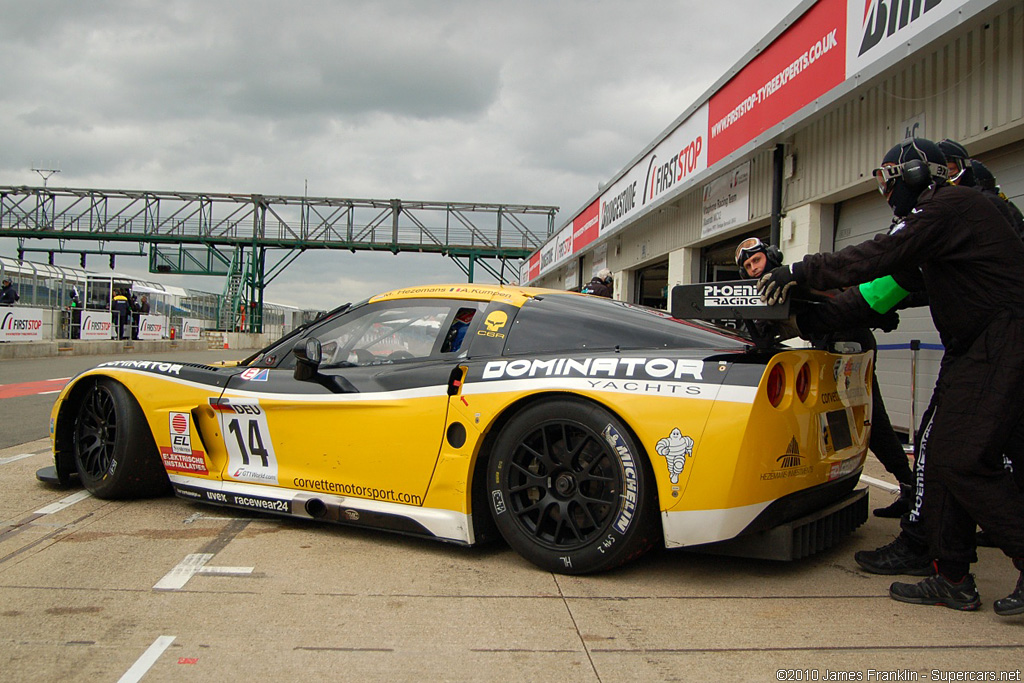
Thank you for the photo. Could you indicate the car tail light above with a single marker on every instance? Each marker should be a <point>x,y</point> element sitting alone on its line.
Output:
<point>776,385</point>
<point>803,382</point>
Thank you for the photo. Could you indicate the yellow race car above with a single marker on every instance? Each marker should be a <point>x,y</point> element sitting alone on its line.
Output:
<point>580,429</point>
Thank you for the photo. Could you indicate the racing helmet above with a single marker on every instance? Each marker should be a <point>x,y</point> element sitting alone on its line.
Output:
<point>983,177</point>
<point>907,170</point>
<point>754,245</point>
<point>957,157</point>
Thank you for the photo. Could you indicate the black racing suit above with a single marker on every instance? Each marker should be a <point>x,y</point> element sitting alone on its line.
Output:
<point>848,317</point>
<point>1008,209</point>
<point>972,265</point>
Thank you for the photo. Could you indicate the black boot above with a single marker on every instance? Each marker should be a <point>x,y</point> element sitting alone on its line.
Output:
<point>939,590</point>
<point>898,557</point>
<point>1014,602</point>
<point>898,507</point>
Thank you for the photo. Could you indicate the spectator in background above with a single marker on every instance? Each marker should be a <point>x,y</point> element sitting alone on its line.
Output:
<point>144,305</point>
<point>600,284</point>
<point>122,312</point>
<point>8,294</point>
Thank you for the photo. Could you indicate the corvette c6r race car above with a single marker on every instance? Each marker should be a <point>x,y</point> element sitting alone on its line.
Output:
<point>582,430</point>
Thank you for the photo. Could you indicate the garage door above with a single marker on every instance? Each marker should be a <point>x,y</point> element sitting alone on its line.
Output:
<point>1007,165</point>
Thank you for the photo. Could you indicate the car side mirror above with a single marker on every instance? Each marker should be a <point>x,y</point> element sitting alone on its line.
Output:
<point>308,356</point>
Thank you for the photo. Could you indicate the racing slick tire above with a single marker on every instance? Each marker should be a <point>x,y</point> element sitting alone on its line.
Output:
<point>113,448</point>
<point>569,489</point>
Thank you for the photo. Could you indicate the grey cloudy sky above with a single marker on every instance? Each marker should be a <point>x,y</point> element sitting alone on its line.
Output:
<point>526,102</point>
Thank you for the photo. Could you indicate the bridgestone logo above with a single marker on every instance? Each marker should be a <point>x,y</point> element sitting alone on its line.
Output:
<point>731,295</point>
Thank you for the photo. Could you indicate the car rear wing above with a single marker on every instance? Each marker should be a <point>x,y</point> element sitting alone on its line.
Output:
<point>734,300</point>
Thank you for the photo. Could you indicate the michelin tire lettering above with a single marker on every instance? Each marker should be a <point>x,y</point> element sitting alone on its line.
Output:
<point>629,495</point>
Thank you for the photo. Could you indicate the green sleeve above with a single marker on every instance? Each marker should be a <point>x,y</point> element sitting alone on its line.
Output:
<point>882,294</point>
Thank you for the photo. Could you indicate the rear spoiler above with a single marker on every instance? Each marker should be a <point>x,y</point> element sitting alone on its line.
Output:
<point>735,300</point>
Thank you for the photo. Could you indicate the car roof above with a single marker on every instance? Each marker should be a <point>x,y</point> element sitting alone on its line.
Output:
<point>511,294</point>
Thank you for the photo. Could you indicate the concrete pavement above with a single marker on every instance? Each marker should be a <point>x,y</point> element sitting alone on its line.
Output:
<point>246,597</point>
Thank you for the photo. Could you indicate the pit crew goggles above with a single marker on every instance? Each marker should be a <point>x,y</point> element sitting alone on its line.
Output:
<point>961,166</point>
<point>886,177</point>
<point>747,248</point>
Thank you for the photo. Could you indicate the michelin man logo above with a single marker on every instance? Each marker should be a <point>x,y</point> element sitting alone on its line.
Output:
<point>675,447</point>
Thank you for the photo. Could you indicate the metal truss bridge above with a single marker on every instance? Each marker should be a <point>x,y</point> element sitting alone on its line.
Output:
<point>231,234</point>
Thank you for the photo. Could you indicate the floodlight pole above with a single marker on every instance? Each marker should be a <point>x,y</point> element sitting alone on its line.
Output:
<point>45,173</point>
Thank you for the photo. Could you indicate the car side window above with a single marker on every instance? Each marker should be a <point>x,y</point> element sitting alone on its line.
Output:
<point>396,331</point>
<point>387,334</point>
<point>454,339</point>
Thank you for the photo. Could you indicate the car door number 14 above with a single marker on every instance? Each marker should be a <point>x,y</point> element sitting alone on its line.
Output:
<point>247,439</point>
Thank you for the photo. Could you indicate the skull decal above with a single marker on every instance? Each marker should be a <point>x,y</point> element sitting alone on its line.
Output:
<point>496,320</point>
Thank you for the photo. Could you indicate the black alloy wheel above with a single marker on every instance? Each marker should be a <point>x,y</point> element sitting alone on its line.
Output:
<point>114,450</point>
<point>568,488</point>
<point>95,433</point>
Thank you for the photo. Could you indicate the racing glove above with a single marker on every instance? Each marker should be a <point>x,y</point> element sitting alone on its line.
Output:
<point>774,286</point>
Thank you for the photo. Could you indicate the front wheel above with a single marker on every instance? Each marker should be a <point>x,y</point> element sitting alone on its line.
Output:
<point>114,450</point>
<point>569,490</point>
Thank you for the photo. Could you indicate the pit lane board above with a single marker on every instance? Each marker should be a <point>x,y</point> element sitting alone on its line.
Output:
<point>736,300</point>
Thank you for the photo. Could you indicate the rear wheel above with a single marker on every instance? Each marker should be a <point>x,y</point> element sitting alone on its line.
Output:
<point>569,490</point>
<point>114,450</point>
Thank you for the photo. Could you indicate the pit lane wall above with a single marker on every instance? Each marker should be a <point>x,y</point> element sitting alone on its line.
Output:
<point>27,332</point>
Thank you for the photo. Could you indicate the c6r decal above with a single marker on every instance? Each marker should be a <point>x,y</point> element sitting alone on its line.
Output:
<point>247,440</point>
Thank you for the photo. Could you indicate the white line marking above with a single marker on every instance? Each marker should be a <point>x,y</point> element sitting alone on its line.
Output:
<point>55,391</point>
<point>192,565</point>
<point>880,484</point>
<point>63,503</point>
<point>12,458</point>
<point>143,664</point>
<point>237,571</point>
